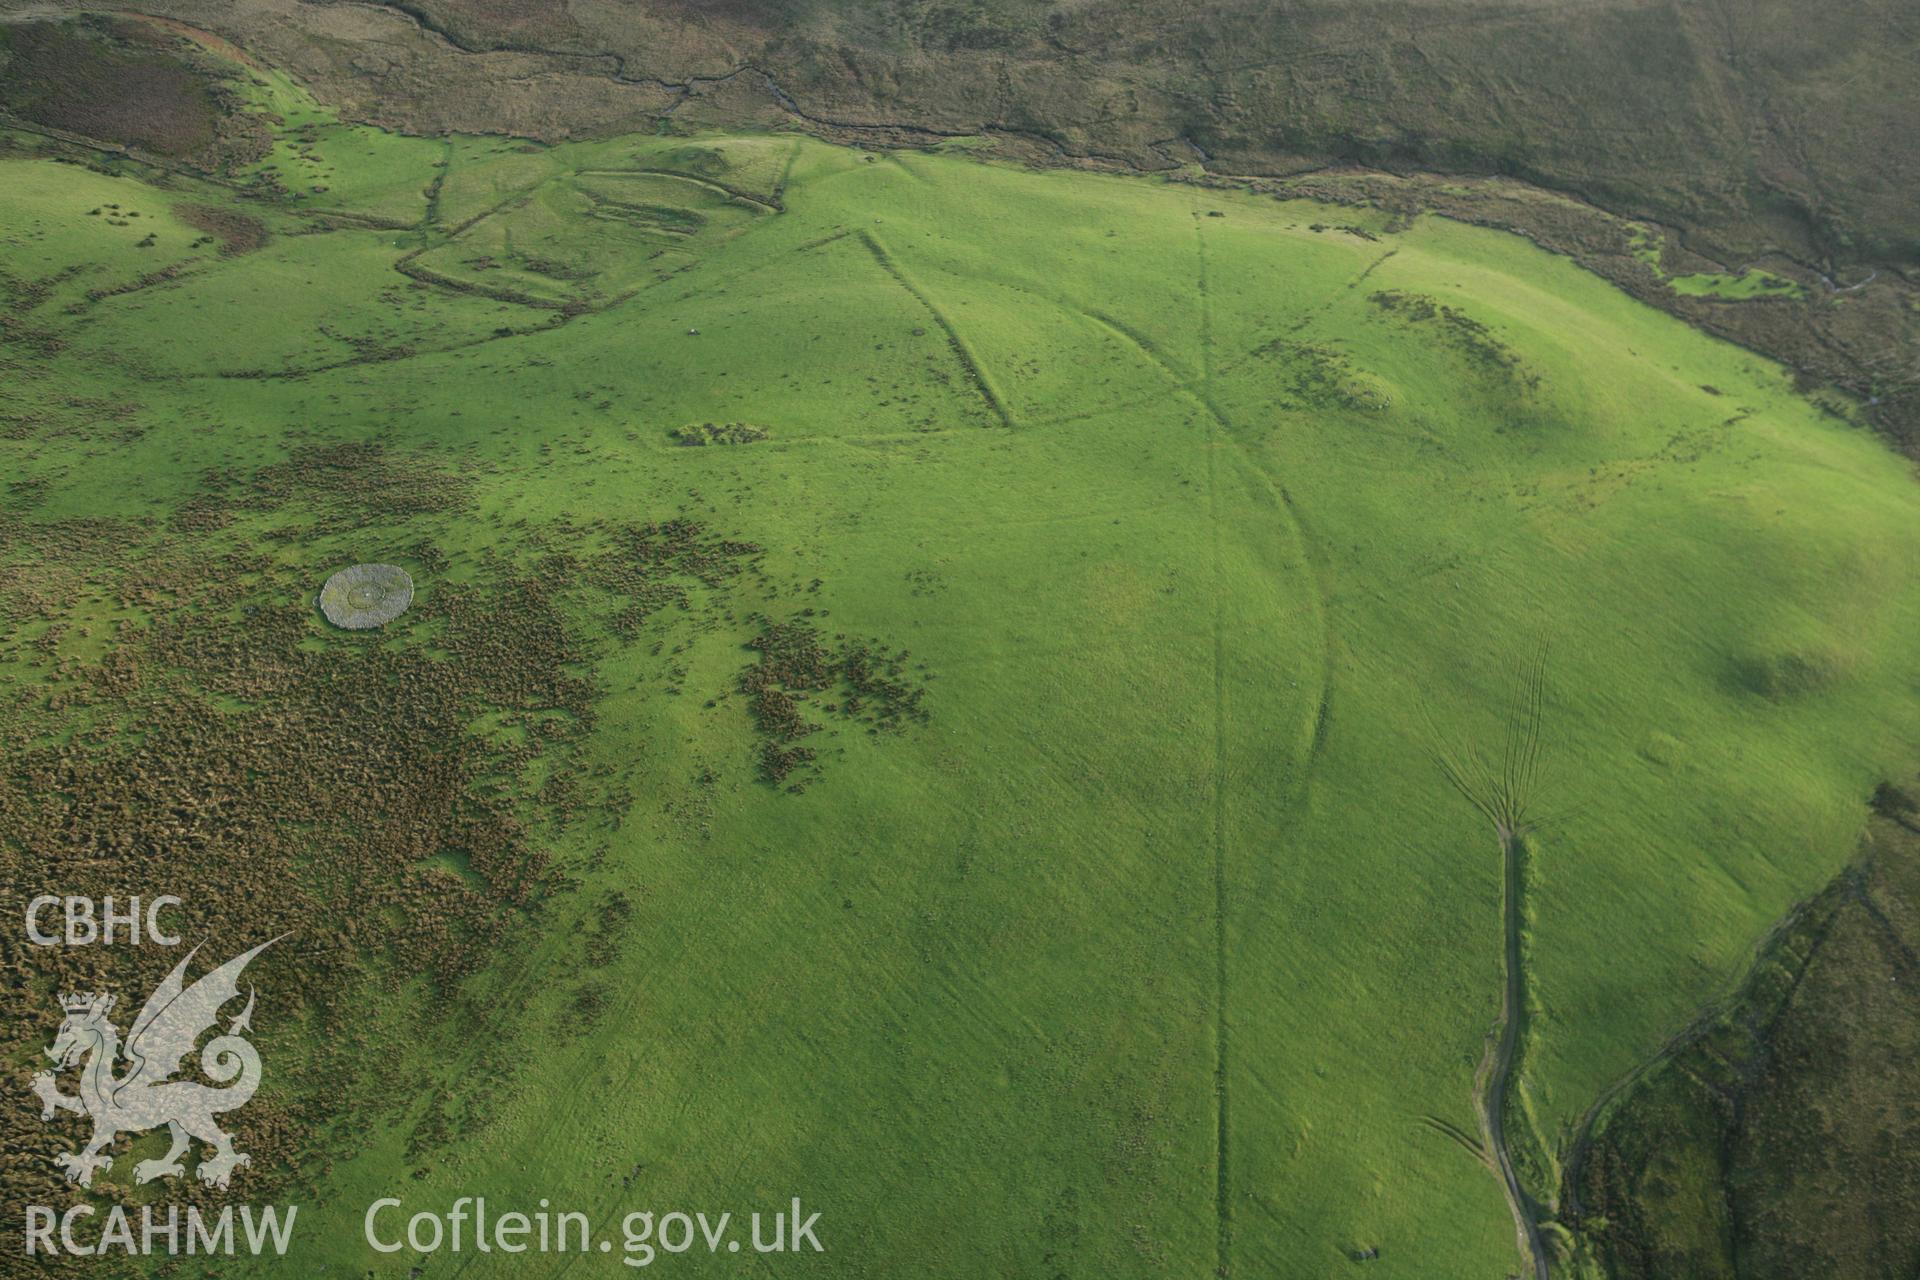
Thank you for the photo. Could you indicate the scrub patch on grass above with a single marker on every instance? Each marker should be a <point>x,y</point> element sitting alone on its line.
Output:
<point>1741,286</point>
<point>1735,286</point>
<point>799,670</point>
<point>1458,331</point>
<point>338,486</point>
<point>654,566</point>
<point>718,433</point>
<point>236,232</point>
<point>1790,674</point>
<point>1322,377</point>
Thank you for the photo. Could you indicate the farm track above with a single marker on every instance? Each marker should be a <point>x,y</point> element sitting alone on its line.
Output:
<point>1196,389</point>
<point>1220,426</point>
<point>1222,1081</point>
<point>1223,1203</point>
<point>1497,1072</point>
<point>1453,1132</point>
<point>1503,792</point>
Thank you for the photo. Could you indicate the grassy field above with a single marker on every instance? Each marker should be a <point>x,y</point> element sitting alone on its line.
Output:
<point>1154,940</point>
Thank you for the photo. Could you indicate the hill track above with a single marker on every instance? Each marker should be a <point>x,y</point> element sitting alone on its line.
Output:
<point>1503,792</point>
<point>1497,1071</point>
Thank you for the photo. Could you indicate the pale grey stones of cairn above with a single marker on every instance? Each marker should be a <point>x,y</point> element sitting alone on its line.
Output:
<point>366,596</point>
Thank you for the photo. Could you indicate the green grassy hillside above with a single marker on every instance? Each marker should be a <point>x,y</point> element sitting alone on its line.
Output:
<point>998,799</point>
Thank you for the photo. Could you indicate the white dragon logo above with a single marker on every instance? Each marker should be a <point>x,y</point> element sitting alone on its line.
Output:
<point>174,1017</point>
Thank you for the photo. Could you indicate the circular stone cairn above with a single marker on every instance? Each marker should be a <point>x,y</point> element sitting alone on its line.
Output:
<point>366,596</point>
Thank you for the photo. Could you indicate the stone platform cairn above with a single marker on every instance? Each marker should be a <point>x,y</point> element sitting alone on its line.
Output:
<point>366,596</point>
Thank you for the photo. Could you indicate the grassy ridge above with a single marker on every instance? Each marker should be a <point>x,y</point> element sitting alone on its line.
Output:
<point>1212,528</point>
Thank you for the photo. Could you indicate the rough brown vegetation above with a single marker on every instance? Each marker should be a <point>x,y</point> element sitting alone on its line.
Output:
<point>213,751</point>
<point>272,791</point>
<point>102,80</point>
<point>237,232</point>
<point>1782,1136</point>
